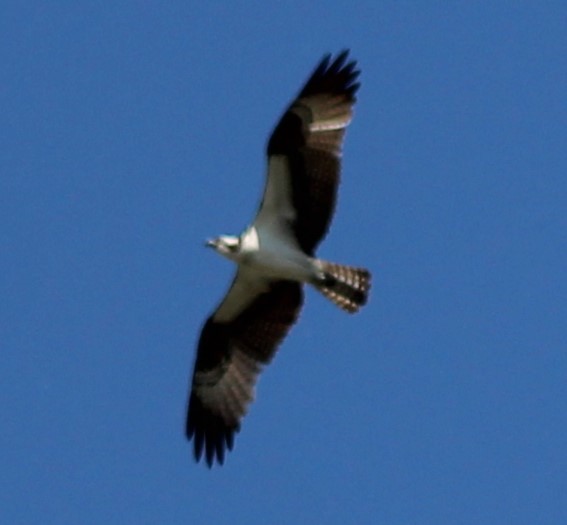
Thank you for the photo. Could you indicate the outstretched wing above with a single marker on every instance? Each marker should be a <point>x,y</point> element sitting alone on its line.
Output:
<point>236,341</point>
<point>304,153</point>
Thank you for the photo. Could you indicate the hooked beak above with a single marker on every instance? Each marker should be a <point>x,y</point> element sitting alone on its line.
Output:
<point>210,243</point>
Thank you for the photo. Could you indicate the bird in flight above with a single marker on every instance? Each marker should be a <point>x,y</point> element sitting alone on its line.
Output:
<point>275,256</point>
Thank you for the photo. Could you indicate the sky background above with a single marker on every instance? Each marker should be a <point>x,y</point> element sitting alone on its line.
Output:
<point>132,131</point>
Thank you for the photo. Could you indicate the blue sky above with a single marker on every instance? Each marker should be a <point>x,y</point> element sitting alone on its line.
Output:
<point>133,131</point>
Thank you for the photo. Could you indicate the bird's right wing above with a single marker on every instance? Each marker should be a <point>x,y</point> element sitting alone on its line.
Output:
<point>236,341</point>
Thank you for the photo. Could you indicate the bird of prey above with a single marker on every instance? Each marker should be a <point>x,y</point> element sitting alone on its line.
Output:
<point>275,256</point>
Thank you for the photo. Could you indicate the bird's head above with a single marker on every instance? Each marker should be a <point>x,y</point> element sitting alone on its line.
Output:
<point>227,245</point>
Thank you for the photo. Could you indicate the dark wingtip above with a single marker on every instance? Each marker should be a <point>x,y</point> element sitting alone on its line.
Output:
<point>333,76</point>
<point>211,436</point>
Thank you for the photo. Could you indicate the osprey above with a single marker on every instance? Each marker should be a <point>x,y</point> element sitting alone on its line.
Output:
<point>275,257</point>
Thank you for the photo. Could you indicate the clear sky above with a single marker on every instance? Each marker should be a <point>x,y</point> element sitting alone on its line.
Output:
<point>132,131</point>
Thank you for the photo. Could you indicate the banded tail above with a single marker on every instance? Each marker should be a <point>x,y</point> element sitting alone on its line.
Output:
<point>346,286</point>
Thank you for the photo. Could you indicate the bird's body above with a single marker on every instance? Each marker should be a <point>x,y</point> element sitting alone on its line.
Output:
<point>275,256</point>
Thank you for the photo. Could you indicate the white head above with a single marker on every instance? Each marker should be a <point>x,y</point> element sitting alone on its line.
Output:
<point>226,245</point>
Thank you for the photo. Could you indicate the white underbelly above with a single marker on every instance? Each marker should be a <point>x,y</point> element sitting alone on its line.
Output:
<point>274,254</point>
<point>281,265</point>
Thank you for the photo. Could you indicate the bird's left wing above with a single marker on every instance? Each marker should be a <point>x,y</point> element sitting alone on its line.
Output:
<point>304,154</point>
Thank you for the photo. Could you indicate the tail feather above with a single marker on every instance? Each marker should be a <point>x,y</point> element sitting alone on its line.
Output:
<point>346,286</point>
